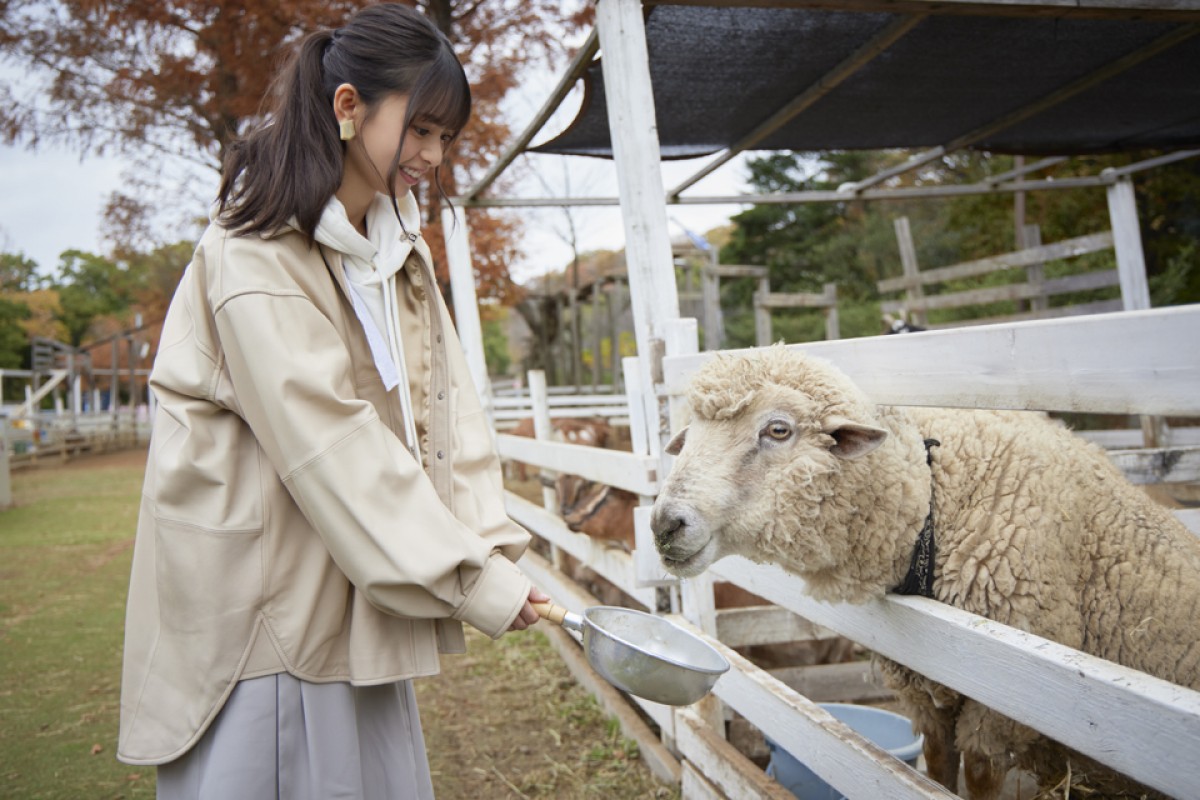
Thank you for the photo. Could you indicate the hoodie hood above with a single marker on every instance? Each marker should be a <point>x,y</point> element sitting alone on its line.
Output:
<point>371,263</point>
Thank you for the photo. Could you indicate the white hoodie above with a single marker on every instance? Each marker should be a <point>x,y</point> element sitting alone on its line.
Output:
<point>371,264</point>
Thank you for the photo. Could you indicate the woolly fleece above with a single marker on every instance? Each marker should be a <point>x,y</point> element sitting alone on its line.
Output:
<point>1035,528</point>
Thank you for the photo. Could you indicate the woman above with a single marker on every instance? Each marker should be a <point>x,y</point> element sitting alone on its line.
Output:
<point>323,506</point>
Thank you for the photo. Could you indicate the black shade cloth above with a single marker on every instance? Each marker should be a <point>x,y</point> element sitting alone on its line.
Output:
<point>718,73</point>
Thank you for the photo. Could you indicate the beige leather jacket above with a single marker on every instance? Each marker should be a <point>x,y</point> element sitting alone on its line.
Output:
<point>284,526</point>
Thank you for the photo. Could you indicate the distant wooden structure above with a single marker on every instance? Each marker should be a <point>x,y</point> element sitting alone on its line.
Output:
<point>1034,291</point>
<point>88,413</point>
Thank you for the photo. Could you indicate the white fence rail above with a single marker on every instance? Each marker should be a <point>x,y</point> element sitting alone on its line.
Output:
<point>32,438</point>
<point>507,410</point>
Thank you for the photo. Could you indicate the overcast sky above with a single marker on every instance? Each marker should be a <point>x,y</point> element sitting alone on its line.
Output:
<point>51,200</point>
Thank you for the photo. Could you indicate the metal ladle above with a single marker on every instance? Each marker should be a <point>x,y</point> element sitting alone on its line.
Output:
<point>641,653</point>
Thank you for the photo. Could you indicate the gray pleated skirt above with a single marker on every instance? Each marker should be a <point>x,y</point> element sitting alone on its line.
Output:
<point>280,738</point>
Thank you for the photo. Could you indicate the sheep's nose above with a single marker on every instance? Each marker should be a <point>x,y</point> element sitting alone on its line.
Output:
<point>665,523</point>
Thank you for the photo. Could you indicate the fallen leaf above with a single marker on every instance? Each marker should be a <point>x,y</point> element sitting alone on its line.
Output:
<point>97,748</point>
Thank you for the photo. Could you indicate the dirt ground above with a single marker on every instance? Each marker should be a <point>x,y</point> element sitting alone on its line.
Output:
<point>508,720</point>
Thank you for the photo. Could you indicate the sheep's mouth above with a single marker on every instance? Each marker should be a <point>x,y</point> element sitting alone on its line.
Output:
<point>692,564</point>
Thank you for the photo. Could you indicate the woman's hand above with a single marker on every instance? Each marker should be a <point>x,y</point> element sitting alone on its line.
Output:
<point>528,616</point>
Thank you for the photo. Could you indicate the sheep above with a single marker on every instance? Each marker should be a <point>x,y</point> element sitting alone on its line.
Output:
<point>787,461</point>
<point>605,513</point>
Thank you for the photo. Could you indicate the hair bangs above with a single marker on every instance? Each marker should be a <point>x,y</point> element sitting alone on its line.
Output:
<point>442,95</point>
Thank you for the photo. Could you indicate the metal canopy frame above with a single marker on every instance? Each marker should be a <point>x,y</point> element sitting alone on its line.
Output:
<point>620,34</point>
<point>914,12</point>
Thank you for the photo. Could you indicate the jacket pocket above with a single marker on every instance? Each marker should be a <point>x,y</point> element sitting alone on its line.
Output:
<point>210,585</point>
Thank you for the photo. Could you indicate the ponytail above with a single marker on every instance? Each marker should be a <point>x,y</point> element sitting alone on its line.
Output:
<point>292,165</point>
<point>288,167</point>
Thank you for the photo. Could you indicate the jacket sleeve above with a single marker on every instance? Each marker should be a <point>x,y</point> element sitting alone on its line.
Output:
<point>372,504</point>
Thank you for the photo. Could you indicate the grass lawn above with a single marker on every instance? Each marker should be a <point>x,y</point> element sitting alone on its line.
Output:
<point>64,568</point>
<point>504,720</point>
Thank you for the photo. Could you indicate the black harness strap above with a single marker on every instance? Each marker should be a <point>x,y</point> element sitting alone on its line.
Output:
<point>919,580</point>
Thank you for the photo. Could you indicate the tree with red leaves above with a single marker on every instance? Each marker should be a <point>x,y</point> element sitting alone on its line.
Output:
<point>180,79</point>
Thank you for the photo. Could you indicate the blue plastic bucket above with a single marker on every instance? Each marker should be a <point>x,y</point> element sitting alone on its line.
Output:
<point>890,731</point>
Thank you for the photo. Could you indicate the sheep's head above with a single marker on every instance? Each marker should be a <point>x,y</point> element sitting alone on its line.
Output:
<point>769,435</point>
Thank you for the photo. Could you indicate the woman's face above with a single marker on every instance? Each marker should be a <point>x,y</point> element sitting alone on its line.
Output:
<point>380,135</point>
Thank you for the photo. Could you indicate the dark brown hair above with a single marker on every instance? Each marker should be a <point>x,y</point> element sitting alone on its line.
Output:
<point>292,164</point>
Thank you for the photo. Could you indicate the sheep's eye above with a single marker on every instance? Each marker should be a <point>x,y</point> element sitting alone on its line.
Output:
<point>777,430</point>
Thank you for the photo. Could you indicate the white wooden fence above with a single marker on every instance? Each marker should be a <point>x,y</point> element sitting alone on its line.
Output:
<point>1036,289</point>
<point>1123,363</point>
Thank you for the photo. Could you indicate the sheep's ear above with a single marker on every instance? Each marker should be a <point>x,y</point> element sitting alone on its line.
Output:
<point>852,439</point>
<point>676,444</point>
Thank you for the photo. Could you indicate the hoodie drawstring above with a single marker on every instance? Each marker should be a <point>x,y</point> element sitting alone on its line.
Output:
<point>390,313</point>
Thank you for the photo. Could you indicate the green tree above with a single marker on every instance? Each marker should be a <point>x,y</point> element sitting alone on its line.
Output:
<point>89,287</point>
<point>806,245</point>
<point>853,244</point>
<point>14,343</point>
<point>18,273</point>
<point>495,346</point>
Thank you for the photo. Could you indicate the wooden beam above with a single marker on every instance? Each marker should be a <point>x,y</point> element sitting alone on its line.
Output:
<point>848,761</point>
<point>791,300</point>
<point>1127,241</point>
<point>1187,10</point>
<point>575,70</point>
<point>1103,363</point>
<point>626,471</point>
<point>1025,169</point>
<point>634,134</point>
<point>737,271</point>
<point>1016,291</point>
<point>727,772</point>
<point>1067,248</point>
<point>466,304</point>
<point>1159,465</point>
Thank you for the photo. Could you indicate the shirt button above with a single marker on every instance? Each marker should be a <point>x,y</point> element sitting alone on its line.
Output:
<point>439,338</point>
<point>441,454</point>
<point>441,395</point>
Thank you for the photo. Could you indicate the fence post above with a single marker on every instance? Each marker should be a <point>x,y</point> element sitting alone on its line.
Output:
<point>542,431</point>
<point>710,290</point>
<point>466,305</point>
<point>596,338</point>
<point>1127,241</point>
<point>832,327</point>
<point>1131,267</point>
<point>912,271</point>
<point>762,314</point>
<point>630,101</point>
<point>5,473</point>
<point>1035,272</point>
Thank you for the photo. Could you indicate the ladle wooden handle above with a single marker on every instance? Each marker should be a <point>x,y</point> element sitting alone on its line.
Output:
<point>550,611</point>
